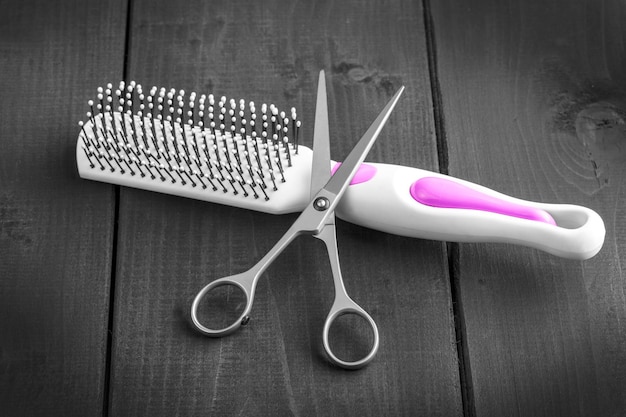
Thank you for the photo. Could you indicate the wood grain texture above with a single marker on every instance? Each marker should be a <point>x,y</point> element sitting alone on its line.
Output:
<point>534,97</point>
<point>170,247</point>
<point>55,229</point>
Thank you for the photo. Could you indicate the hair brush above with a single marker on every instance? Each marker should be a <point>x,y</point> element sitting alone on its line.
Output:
<point>229,152</point>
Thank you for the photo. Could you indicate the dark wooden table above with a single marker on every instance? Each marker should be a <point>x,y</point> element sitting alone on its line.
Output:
<point>526,97</point>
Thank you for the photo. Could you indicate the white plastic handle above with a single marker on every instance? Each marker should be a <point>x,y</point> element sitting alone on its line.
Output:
<point>384,202</point>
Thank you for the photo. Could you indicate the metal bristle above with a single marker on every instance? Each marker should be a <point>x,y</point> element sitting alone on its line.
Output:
<point>189,139</point>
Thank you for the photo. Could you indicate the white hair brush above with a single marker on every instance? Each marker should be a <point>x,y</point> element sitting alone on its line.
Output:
<point>228,152</point>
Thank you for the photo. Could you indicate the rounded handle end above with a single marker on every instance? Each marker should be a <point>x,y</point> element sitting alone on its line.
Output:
<point>332,316</point>
<point>240,321</point>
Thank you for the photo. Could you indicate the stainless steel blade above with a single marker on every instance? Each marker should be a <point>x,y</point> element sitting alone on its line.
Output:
<point>342,177</point>
<point>320,170</point>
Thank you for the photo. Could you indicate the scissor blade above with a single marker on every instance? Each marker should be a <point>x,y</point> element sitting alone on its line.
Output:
<point>342,177</point>
<point>320,171</point>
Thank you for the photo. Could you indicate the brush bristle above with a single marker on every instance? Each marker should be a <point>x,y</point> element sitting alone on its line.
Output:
<point>196,146</point>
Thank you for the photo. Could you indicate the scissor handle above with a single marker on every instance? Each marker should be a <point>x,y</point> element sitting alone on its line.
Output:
<point>244,281</point>
<point>344,305</point>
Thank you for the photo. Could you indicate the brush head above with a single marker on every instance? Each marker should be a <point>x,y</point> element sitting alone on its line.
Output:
<point>221,151</point>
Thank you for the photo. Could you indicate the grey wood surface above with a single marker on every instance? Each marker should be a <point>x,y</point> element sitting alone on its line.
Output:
<point>96,281</point>
<point>56,231</point>
<point>534,101</point>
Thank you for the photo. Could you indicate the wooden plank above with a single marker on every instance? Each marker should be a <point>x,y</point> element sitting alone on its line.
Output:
<point>534,100</point>
<point>171,247</point>
<point>55,229</point>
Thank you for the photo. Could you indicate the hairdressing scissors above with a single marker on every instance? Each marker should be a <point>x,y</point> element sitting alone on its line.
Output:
<point>317,219</point>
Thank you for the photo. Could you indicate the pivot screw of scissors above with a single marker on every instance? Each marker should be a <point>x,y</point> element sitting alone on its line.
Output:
<point>245,320</point>
<point>321,203</point>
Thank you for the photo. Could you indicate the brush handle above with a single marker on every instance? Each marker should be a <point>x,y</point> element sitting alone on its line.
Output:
<point>417,203</point>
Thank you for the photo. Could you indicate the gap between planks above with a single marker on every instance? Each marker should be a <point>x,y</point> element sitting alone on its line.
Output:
<point>452,249</point>
<point>109,336</point>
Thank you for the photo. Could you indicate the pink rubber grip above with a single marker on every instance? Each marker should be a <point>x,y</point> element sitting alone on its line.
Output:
<point>365,173</point>
<point>444,193</point>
